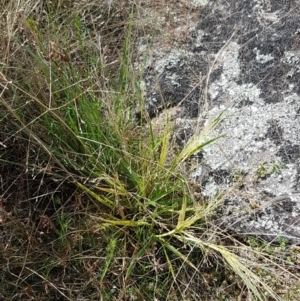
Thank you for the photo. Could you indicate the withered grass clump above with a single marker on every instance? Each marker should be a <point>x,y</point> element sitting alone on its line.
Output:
<point>91,207</point>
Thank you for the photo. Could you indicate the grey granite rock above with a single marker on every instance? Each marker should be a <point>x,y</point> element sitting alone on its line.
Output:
<point>243,56</point>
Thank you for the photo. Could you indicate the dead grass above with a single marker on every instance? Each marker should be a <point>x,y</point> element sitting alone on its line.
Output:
<point>89,214</point>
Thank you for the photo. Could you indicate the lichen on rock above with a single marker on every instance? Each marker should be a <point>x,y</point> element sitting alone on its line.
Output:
<point>242,56</point>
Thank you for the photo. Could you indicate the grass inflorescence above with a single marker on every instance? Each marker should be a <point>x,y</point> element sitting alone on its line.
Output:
<point>94,204</point>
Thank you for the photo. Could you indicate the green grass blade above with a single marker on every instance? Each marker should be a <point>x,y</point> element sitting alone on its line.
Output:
<point>110,250</point>
<point>103,200</point>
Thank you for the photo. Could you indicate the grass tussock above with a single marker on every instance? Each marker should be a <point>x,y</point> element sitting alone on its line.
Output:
<point>95,205</point>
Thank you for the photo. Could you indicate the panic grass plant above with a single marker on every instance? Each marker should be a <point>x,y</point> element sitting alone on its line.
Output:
<point>67,119</point>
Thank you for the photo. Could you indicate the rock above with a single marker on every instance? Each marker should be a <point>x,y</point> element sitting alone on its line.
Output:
<point>243,56</point>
